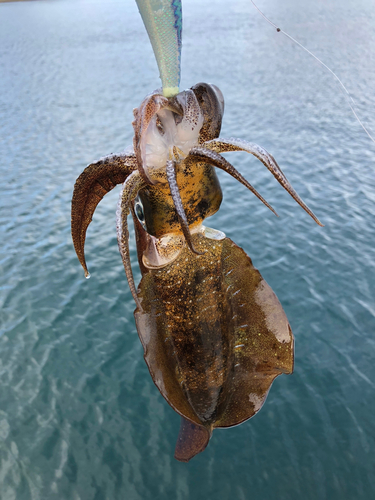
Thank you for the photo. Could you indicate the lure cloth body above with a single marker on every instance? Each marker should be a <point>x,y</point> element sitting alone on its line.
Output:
<point>163,22</point>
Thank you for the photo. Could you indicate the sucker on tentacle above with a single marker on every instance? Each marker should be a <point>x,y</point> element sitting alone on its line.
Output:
<point>175,193</point>
<point>129,191</point>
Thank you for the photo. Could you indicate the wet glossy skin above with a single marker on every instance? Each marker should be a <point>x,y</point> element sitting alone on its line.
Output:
<point>215,337</point>
<point>214,334</point>
<point>200,193</point>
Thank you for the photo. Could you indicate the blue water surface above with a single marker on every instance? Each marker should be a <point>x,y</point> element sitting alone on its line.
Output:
<point>80,418</point>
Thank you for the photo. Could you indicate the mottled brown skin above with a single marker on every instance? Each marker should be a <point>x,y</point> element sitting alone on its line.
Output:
<point>91,186</point>
<point>214,334</point>
<point>208,338</point>
<point>200,193</point>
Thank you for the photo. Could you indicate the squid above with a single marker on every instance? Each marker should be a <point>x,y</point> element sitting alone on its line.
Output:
<point>214,334</point>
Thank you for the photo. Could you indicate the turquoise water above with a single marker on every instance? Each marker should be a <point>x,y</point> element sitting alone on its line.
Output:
<point>80,417</point>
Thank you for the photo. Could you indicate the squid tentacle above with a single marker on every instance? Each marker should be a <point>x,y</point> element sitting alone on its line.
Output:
<point>210,156</point>
<point>175,193</point>
<point>129,191</point>
<point>227,145</point>
<point>91,186</point>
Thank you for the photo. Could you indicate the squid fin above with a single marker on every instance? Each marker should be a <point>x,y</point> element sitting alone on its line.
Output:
<point>192,439</point>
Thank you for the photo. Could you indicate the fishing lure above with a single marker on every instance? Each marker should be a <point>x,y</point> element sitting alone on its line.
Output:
<point>163,22</point>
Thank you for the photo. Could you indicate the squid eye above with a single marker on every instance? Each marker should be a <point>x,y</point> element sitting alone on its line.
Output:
<point>139,213</point>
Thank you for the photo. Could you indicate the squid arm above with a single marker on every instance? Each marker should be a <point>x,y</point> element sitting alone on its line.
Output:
<point>175,193</point>
<point>129,191</point>
<point>227,145</point>
<point>91,186</point>
<point>216,160</point>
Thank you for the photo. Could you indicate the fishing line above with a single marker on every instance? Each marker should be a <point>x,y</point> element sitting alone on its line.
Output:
<point>343,88</point>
